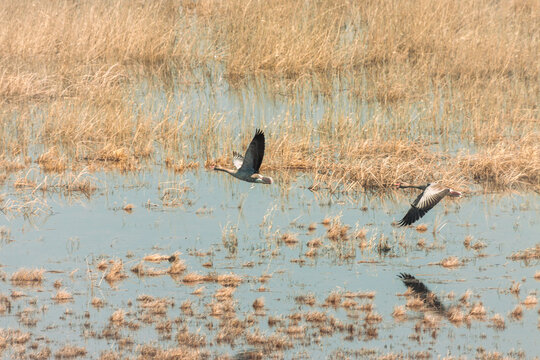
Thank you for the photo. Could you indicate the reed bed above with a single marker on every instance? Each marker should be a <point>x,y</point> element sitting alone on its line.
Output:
<point>79,91</point>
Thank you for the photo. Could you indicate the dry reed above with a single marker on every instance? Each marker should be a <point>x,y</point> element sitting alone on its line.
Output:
<point>62,295</point>
<point>87,74</point>
<point>25,276</point>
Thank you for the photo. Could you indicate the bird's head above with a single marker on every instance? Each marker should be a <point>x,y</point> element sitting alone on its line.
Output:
<point>399,185</point>
<point>260,179</point>
<point>454,193</point>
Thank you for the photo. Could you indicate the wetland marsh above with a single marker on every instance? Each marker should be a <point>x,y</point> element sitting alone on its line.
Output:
<point>118,240</point>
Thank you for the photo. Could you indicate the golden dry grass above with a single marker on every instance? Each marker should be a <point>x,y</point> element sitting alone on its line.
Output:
<point>517,312</point>
<point>258,303</point>
<point>451,262</point>
<point>26,276</point>
<point>498,321</point>
<point>83,69</point>
<point>118,316</point>
<point>62,295</point>
<point>399,312</point>
<point>116,272</point>
<point>527,254</point>
<point>478,310</point>
<point>97,302</point>
<point>70,352</point>
<point>455,315</point>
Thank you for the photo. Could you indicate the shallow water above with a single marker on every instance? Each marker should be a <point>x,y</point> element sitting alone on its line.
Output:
<point>77,232</point>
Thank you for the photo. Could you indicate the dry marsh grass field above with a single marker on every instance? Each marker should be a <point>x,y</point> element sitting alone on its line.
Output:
<point>434,73</point>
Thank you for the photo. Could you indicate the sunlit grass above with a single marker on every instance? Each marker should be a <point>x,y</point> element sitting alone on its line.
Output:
<point>72,95</point>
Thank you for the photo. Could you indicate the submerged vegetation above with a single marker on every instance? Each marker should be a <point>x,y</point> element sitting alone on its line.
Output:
<point>399,92</point>
<point>351,96</point>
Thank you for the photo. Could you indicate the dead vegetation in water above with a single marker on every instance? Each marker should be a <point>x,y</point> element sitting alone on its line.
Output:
<point>289,239</point>
<point>70,352</point>
<point>450,262</point>
<point>527,254</point>
<point>116,272</point>
<point>141,270</point>
<point>437,66</point>
<point>150,352</point>
<point>28,277</point>
<point>62,295</point>
<point>530,301</point>
<point>498,322</point>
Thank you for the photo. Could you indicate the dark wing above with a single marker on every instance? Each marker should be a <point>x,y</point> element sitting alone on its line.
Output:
<point>413,214</point>
<point>421,290</point>
<point>416,285</point>
<point>423,203</point>
<point>238,160</point>
<point>254,154</point>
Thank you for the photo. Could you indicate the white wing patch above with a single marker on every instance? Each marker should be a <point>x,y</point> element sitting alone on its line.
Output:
<point>238,160</point>
<point>432,195</point>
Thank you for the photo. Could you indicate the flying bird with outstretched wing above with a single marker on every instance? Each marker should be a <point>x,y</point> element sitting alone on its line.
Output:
<point>247,166</point>
<point>430,196</point>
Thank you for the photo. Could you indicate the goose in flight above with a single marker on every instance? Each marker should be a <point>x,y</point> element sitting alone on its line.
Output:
<point>418,288</point>
<point>430,196</point>
<point>247,166</point>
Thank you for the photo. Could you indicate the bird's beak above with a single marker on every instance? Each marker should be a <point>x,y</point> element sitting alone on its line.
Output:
<point>267,180</point>
<point>397,185</point>
<point>454,193</point>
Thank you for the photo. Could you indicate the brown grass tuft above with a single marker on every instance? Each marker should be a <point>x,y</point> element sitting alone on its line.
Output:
<point>70,352</point>
<point>225,293</point>
<point>315,316</point>
<point>515,288</point>
<point>141,270</point>
<point>399,312</point>
<point>334,299</point>
<point>517,313</point>
<point>258,303</point>
<point>450,262</point>
<point>421,228</point>
<point>530,301</point>
<point>156,258</point>
<point>229,280</point>
<point>97,302</point>
<point>103,265</point>
<point>116,272</point>
<point>52,161</point>
<point>193,340</point>
<point>455,315</point>
<point>177,267</point>
<point>186,308</point>
<point>27,277</point>
<point>306,299</point>
<point>498,321</point>
<point>478,310</point>
<point>117,317</point>
<point>527,254</point>
<point>289,239</point>
<point>468,240</point>
<point>192,278</point>
<point>62,295</point>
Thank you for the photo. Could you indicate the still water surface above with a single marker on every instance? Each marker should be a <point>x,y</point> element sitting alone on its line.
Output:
<point>78,232</point>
